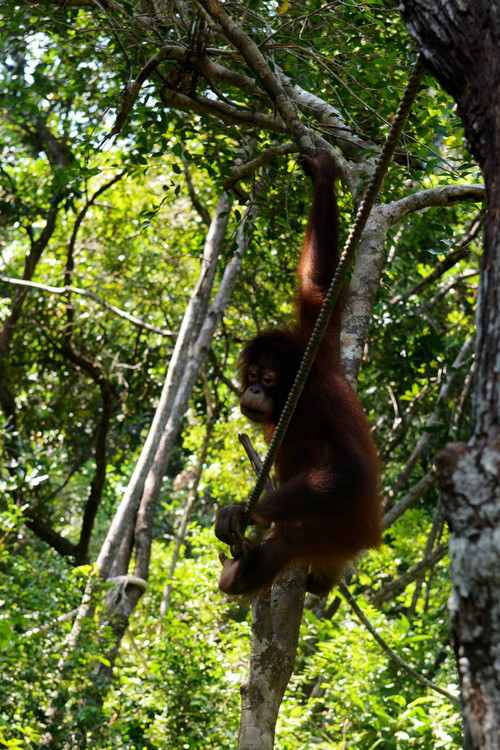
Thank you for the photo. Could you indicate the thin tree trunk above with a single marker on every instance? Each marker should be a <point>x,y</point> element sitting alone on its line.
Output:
<point>192,498</point>
<point>195,313</point>
<point>276,618</point>
<point>119,614</point>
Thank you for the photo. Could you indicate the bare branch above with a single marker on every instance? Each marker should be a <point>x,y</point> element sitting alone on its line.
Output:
<point>434,536</point>
<point>443,291</point>
<point>388,650</point>
<point>433,420</point>
<point>409,499</point>
<point>47,534</point>
<point>132,92</point>
<point>450,260</point>
<point>86,293</point>
<point>90,202</point>
<point>32,258</point>
<point>443,195</point>
<point>228,113</point>
<point>254,459</point>
<point>328,117</point>
<point>191,500</point>
<point>266,158</point>
<point>195,200</point>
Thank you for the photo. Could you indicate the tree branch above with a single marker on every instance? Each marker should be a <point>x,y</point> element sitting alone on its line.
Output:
<point>409,499</point>
<point>443,195</point>
<point>267,157</point>
<point>86,293</point>
<point>228,113</point>
<point>394,588</point>
<point>388,650</point>
<point>448,262</point>
<point>253,56</point>
<point>433,420</point>
<point>47,534</point>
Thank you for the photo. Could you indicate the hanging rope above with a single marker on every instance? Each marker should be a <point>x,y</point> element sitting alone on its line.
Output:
<point>335,286</point>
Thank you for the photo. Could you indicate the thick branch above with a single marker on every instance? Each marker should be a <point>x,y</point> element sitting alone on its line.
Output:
<point>212,411</point>
<point>195,312</point>
<point>47,534</point>
<point>443,195</point>
<point>201,64</point>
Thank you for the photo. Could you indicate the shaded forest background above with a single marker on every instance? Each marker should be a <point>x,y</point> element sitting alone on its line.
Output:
<point>123,127</point>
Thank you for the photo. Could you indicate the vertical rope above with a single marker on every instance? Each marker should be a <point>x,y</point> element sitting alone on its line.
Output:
<point>336,284</point>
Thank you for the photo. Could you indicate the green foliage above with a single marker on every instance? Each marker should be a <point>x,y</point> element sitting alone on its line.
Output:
<point>185,678</point>
<point>34,591</point>
<point>179,687</point>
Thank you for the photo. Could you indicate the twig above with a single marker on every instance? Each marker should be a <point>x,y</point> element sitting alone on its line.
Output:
<point>254,459</point>
<point>434,419</point>
<point>195,200</point>
<point>450,260</point>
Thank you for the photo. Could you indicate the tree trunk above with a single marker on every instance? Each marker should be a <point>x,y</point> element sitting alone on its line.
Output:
<point>276,618</point>
<point>460,41</point>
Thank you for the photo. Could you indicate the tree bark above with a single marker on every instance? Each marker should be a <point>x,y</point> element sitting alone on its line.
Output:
<point>195,313</point>
<point>276,618</point>
<point>460,41</point>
